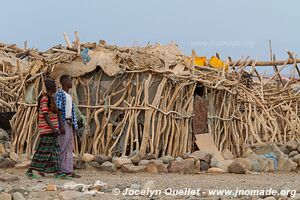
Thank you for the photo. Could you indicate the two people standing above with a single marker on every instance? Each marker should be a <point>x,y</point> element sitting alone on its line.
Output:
<point>57,123</point>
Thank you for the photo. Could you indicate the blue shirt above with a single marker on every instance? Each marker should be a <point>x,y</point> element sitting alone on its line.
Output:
<point>60,99</point>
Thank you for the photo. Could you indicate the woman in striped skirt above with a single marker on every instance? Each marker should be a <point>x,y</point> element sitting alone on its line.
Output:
<point>46,157</point>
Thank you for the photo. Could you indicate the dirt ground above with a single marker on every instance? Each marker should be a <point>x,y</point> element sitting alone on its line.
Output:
<point>203,181</point>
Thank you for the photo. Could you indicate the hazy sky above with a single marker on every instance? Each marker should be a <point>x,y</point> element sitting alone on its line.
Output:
<point>233,28</point>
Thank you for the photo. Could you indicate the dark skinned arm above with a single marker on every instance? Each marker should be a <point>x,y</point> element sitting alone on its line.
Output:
<point>47,119</point>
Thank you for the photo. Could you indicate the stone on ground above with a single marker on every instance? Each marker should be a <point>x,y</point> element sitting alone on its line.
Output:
<point>2,149</point>
<point>186,166</point>
<point>292,145</point>
<point>108,166</point>
<point>102,158</point>
<point>14,157</point>
<point>24,164</point>
<point>166,159</point>
<point>284,149</point>
<point>144,162</point>
<point>151,185</point>
<point>18,196</point>
<point>215,170</point>
<point>293,153</point>
<point>286,164</point>
<point>88,157</point>
<point>156,167</point>
<point>131,168</point>
<point>7,163</point>
<point>240,166</point>
<point>119,161</point>
<point>203,155</point>
<point>5,196</point>
<point>204,166</point>
<point>8,178</point>
<point>224,164</point>
<point>226,153</point>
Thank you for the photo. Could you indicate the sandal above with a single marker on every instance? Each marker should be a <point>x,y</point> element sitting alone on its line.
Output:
<point>62,176</point>
<point>31,175</point>
<point>42,174</point>
<point>73,175</point>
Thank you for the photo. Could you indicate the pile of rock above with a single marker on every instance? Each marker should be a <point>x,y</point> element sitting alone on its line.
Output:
<point>268,158</point>
<point>7,160</point>
<point>283,158</point>
<point>130,164</point>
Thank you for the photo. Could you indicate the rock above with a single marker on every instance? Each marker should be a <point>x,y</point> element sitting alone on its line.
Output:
<point>268,149</point>
<point>102,158</point>
<point>166,159</point>
<point>293,153</point>
<point>144,162</point>
<point>135,157</point>
<point>296,158</point>
<point>270,198</point>
<point>95,164</point>
<point>287,165</point>
<point>75,186</point>
<point>71,195</point>
<point>215,170</point>
<point>284,149</point>
<point>156,167</point>
<point>88,157</point>
<point>5,196</point>
<point>7,146</point>
<point>7,163</point>
<point>122,186</point>
<point>292,145</point>
<point>150,156</point>
<point>1,189</point>
<point>14,157</point>
<point>149,185</point>
<point>108,166</point>
<point>262,161</point>
<point>135,186</point>
<point>204,166</point>
<point>99,185</point>
<point>5,155</point>
<point>187,166</point>
<point>213,162</point>
<point>203,155</point>
<point>226,153</point>
<point>19,189</point>
<point>179,159</point>
<point>271,165</point>
<point>299,148</point>
<point>255,165</point>
<point>37,187</point>
<point>8,178</point>
<point>224,164</point>
<point>119,161</point>
<point>131,168</point>
<point>2,149</point>
<point>18,196</point>
<point>236,168</point>
<point>24,164</point>
<point>78,164</point>
<point>240,166</point>
<point>1,159</point>
<point>51,187</point>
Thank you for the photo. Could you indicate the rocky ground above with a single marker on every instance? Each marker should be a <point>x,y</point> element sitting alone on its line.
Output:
<point>25,188</point>
<point>190,176</point>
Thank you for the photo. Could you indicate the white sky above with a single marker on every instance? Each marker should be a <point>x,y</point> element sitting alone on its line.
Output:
<point>233,28</point>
